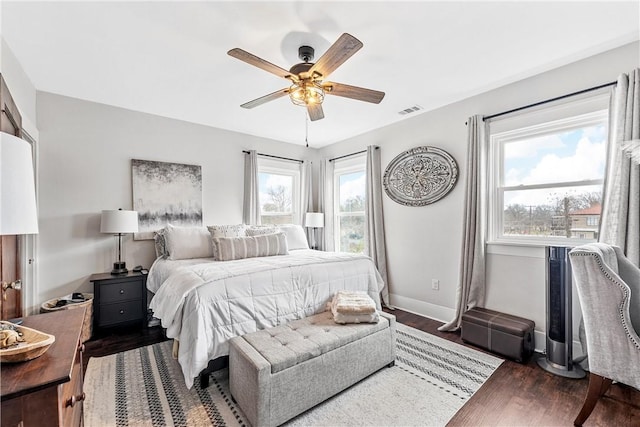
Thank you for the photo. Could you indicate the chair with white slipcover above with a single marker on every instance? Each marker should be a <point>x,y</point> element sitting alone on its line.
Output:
<point>608,286</point>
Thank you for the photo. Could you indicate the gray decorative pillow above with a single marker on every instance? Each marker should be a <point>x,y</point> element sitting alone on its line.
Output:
<point>232,230</point>
<point>230,248</point>
<point>160,243</point>
<point>261,230</point>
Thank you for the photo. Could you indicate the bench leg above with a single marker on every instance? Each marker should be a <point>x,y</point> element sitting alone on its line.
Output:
<point>204,379</point>
<point>214,365</point>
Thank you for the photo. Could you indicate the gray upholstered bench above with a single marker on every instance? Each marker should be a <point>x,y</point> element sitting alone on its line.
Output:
<point>280,372</point>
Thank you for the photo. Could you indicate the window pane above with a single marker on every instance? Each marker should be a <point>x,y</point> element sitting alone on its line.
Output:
<point>352,192</point>
<point>352,233</point>
<point>567,156</point>
<point>350,211</point>
<point>572,212</point>
<point>276,193</point>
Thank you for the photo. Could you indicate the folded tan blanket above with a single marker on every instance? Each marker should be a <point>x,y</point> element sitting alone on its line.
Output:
<point>355,318</point>
<point>352,303</point>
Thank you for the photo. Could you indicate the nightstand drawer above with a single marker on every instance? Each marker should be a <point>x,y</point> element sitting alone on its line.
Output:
<point>120,291</point>
<point>120,312</point>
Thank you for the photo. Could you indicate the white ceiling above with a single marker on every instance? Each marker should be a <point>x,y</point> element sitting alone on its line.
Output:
<point>169,58</point>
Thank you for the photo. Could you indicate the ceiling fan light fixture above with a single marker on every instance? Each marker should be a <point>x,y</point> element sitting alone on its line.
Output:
<point>306,93</point>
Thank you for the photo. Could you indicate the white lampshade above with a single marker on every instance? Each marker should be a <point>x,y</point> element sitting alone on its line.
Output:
<point>314,219</point>
<point>116,222</point>
<point>18,213</point>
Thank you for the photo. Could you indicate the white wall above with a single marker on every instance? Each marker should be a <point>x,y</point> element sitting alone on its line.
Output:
<point>424,242</point>
<point>20,86</point>
<point>85,167</point>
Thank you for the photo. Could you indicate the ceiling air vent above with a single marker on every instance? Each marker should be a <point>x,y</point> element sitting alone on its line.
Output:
<point>409,110</point>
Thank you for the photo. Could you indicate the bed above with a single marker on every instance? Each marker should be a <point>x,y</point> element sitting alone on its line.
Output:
<point>203,302</point>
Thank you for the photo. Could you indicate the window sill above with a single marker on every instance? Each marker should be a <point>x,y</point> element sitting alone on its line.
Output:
<point>530,249</point>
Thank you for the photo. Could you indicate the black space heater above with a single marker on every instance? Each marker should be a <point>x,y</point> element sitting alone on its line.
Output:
<point>559,355</point>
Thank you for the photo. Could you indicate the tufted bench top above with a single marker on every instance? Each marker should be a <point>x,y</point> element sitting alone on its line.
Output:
<point>287,345</point>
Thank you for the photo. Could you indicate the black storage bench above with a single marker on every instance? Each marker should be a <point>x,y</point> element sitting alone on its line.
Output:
<point>504,334</point>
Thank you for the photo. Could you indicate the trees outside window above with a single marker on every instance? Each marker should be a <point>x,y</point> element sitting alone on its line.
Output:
<point>349,196</point>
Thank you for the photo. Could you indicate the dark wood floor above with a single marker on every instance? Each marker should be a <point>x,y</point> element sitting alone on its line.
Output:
<point>515,395</point>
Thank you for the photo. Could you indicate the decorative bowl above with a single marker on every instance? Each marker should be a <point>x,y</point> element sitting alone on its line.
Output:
<point>35,344</point>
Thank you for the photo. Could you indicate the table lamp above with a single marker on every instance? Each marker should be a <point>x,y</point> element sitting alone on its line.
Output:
<point>314,220</point>
<point>18,213</point>
<point>118,223</point>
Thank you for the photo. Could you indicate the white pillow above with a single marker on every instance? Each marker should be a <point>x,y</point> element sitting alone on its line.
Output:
<point>230,248</point>
<point>187,242</point>
<point>296,237</point>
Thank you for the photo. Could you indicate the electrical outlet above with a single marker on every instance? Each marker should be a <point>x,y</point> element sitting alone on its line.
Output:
<point>435,284</point>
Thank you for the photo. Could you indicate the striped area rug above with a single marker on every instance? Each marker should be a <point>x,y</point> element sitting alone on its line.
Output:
<point>431,381</point>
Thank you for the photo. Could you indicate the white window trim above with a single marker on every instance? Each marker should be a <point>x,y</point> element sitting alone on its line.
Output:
<point>342,167</point>
<point>287,168</point>
<point>496,177</point>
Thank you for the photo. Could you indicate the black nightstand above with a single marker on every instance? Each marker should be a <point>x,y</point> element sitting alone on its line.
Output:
<point>119,300</point>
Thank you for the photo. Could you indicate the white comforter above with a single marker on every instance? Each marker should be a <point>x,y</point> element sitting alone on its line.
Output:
<point>205,303</point>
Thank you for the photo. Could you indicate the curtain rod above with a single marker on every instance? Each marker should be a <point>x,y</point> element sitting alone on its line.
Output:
<point>275,157</point>
<point>349,155</point>
<point>546,101</point>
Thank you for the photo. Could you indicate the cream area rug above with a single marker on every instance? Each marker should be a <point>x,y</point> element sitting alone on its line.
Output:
<point>431,381</point>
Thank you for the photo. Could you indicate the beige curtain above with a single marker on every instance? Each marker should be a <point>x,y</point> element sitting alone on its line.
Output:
<point>251,205</point>
<point>620,222</point>
<point>325,205</point>
<point>306,196</point>
<point>375,245</point>
<point>471,285</point>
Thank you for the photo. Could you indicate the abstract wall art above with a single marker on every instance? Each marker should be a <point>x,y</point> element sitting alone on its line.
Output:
<point>165,193</point>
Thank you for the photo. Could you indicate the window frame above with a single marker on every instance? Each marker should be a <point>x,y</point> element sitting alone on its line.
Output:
<point>357,163</point>
<point>496,172</point>
<point>285,168</point>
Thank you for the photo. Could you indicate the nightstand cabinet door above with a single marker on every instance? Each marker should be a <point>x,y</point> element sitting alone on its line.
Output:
<point>119,300</point>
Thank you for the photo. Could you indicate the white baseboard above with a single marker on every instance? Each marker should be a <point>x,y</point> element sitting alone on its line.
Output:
<point>432,311</point>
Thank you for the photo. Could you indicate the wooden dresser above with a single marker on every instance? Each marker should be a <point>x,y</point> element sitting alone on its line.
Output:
<point>47,391</point>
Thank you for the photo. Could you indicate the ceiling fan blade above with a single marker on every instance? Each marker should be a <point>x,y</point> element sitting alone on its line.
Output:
<point>251,59</point>
<point>336,55</point>
<point>315,112</point>
<point>264,99</point>
<point>353,92</point>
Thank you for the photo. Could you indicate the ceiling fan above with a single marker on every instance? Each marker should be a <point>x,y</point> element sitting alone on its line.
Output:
<point>309,86</point>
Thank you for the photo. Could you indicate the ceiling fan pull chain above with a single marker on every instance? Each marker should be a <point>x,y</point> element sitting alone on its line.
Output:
<point>306,128</point>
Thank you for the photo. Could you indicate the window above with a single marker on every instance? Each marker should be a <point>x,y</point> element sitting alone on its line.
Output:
<point>279,186</point>
<point>349,199</point>
<point>546,178</point>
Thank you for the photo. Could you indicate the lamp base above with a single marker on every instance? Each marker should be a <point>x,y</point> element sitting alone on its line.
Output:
<point>119,268</point>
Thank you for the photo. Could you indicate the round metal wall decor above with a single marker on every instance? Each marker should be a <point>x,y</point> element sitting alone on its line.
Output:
<point>420,176</point>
